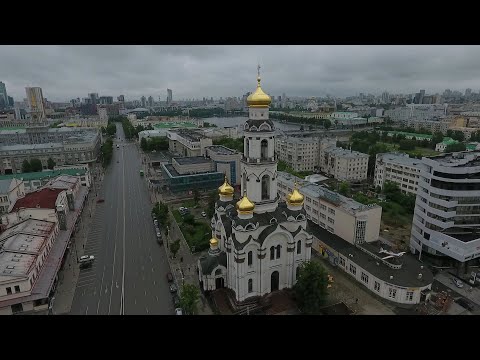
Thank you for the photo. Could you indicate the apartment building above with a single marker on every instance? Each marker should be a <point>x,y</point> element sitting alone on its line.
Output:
<point>342,216</point>
<point>398,168</point>
<point>447,208</point>
<point>188,142</point>
<point>299,153</point>
<point>42,135</point>
<point>342,164</point>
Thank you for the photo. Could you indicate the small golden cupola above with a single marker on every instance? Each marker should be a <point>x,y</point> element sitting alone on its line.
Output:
<point>213,242</point>
<point>295,198</point>
<point>258,99</point>
<point>226,189</point>
<point>245,206</point>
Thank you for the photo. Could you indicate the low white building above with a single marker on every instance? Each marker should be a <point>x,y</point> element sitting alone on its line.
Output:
<point>10,191</point>
<point>394,276</point>
<point>342,164</point>
<point>398,168</point>
<point>338,214</point>
<point>227,161</point>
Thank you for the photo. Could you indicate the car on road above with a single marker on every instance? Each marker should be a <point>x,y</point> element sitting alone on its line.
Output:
<point>86,260</point>
<point>204,214</point>
<point>173,288</point>
<point>465,303</point>
<point>155,221</point>
<point>169,277</point>
<point>100,201</point>
<point>178,311</point>
<point>457,283</point>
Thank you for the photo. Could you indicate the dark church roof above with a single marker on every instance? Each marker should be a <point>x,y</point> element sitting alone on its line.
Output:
<point>257,123</point>
<point>209,262</point>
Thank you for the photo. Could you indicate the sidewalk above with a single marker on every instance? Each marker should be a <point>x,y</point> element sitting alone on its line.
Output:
<point>183,267</point>
<point>68,276</point>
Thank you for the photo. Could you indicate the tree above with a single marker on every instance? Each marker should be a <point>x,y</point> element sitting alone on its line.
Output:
<point>436,138</point>
<point>36,165</point>
<point>50,163</point>
<point>212,199</point>
<point>143,144</point>
<point>344,188</point>
<point>174,247</point>
<point>458,135</point>
<point>196,196</point>
<point>407,145</point>
<point>327,124</point>
<point>26,167</point>
<point>111,129</point>
<point>455,147</point>
<point>189,298</point>
<point>311,287</point>
<point>189,219</point>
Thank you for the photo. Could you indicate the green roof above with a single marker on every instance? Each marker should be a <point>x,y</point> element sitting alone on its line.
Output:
<point>44,174</point>
<point>170,125</point>
<point>471,146</point>
<point>12,128</point>
<point>449,141</point>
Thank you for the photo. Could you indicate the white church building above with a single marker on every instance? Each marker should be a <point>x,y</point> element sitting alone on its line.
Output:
<point>260,241</point>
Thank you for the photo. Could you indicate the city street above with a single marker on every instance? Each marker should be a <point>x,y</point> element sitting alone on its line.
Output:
<point>128,276</point>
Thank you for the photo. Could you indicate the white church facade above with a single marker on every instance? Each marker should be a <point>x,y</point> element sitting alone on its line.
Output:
<point>260,241</point>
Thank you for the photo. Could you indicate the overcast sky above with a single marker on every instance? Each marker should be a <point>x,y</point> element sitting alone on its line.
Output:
<point>66,72</point>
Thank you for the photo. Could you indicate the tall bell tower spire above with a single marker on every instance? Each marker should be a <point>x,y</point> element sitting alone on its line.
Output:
<point>259,164</point>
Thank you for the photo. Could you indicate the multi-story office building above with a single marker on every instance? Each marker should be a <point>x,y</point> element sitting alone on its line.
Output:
<point>36,103</point>
<point>169,96</point>
<point>150,101</point>
<point>227,161</point>
<point>105,100</point>
<point>447,209</point>
<point>338,214</point>
<point>398,168</point>
<point>188,142</point>
<point>93,98</point>
<point>344,164</point>
<point>3,96</point>
<point>72,151</point>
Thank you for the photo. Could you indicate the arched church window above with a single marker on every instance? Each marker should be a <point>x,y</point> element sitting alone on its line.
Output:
<point>278,251</point>
<point>264,149</point>
<point>218,272</point>
<point>265,187</point>
<point>299,247</point>
<point>250,258</point>
<point>272,252</point>
<point>250,285</point>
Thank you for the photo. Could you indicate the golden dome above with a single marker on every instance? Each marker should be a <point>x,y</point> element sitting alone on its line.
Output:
<point>213,242</point>
<point>226,189</point>
<point>295,198</point>
<point>245,206</point>
<point>258,98</point>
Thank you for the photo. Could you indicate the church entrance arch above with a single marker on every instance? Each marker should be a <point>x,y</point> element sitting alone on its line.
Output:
<point>274,280</point>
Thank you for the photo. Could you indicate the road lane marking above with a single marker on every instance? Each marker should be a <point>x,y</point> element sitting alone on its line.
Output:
<point>124,221</point>
<point>156,297</point>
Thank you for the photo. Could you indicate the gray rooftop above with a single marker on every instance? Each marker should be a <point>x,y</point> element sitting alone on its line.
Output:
<point>345,153</point>
<point>5,185</point>
<point>458,159</point>
<point>192,160</point>
<point>405,276</point>
<point>222,150</point>
<point>399,158</point>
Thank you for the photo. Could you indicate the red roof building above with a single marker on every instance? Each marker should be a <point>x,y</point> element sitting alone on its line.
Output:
<point>43,199</point>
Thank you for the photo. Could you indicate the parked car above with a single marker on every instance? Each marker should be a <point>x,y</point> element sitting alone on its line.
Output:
<point>178,311</point>
<point>173,288</point>
<point>155,221</point>
<point>153,216</point>
<point>457,282</point>
<point>86,260</point>
<point>204,214</point>
<point>100,201</point>
<point>169,277</point>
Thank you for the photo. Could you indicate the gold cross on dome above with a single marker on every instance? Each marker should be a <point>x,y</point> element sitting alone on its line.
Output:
<point>258,70</point>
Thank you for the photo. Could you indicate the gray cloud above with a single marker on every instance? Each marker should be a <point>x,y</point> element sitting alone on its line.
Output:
<point>65,72</point>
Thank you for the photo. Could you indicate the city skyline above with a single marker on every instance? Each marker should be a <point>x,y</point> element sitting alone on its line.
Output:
<point>65,72</point>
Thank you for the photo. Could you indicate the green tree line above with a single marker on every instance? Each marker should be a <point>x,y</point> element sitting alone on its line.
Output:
<point>155,143</point>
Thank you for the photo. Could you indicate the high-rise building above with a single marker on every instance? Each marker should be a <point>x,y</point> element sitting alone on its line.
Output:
<point>105,100</point>
<point>121,98</point>
<point>36,103</point>
<point>468,92</point>
<point>169,96</point>
<point>3,96</point>
<point>93,98</point>
<point>143,99</point>
<point>446,216</point>
<point>150,101</point>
